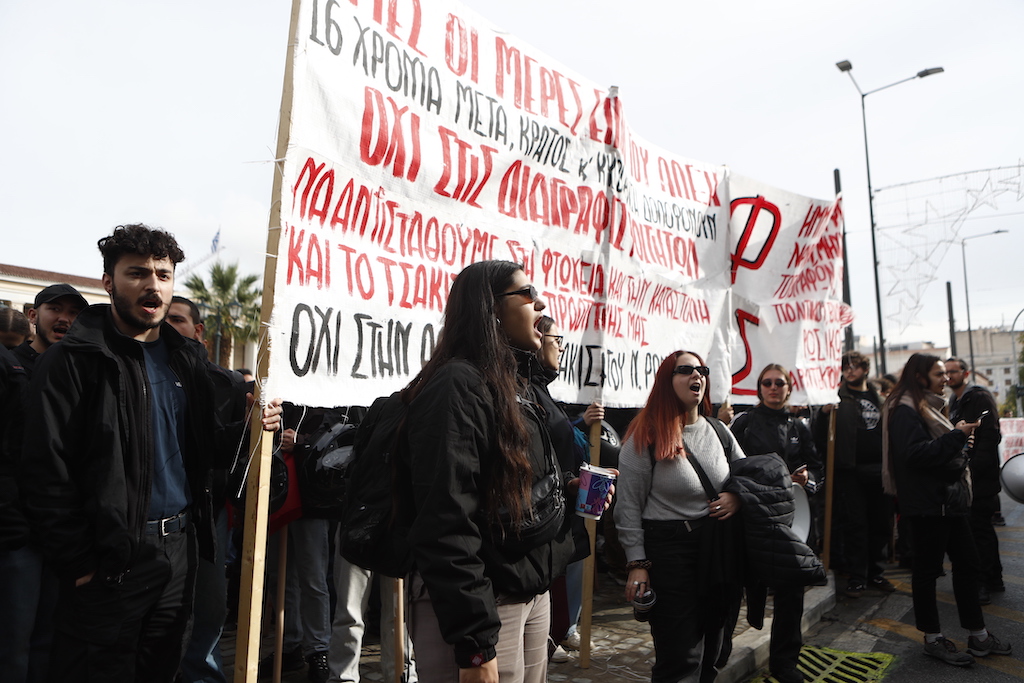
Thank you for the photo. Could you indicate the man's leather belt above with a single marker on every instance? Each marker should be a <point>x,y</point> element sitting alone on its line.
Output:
<point>168,525</point>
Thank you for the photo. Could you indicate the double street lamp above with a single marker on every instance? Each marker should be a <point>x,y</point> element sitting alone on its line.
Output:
<point>847,67</point>
<point>967,300</point>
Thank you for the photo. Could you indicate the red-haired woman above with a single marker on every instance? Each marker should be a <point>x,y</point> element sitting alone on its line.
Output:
<point>925,457</point>
<point>667,523</point>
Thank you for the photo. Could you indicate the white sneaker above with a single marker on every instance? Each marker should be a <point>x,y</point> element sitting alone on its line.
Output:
<point>559,656</point>
<point>572,642</point>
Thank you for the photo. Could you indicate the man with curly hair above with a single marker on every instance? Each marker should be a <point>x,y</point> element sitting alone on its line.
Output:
<point>119,443</point>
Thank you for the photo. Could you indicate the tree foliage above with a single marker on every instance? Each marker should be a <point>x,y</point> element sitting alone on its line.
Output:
<point>215,301</point>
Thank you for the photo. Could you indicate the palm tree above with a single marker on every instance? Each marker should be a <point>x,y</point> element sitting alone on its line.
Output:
<point>231,307</point>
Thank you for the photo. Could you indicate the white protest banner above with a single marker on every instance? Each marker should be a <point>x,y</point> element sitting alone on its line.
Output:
<point>788,275</point>
<point>1012,429</point>
<point>422,140</point>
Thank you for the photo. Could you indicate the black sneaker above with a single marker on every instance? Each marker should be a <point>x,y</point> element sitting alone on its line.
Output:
<point>983,596</point>
<point>989,646</point>
<point>880,583</point>
<point>290,661</point>
<point>318,669</point>
<point>996,587</point>
<point>789,674</point>
<point>946,651</point>
<point>854,589</point>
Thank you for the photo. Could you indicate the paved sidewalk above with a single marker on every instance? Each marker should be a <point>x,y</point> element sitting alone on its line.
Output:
<point>623,650</point>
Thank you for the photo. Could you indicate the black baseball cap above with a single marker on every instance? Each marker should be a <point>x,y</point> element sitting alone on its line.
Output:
<point>54,292</point>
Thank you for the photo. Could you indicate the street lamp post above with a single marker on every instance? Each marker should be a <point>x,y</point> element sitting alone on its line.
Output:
<point>967,299</point>
<point>847,67</point>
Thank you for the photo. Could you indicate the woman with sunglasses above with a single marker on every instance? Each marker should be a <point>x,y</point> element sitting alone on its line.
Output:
<point>769,427</point>
<point>571,448</point>
<point>925,462</point>
<point>488,536</point>
<point>674,536</point>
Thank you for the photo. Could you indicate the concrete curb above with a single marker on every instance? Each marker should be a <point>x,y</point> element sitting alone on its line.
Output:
<point>750,648</point>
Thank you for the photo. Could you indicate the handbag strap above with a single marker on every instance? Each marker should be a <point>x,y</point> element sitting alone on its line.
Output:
<point>701,474</point>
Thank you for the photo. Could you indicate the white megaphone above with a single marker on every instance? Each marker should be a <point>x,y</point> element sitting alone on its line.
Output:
<point>1011,475</point>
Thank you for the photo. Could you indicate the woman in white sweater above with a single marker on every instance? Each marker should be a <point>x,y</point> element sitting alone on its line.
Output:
<point>672,527</point>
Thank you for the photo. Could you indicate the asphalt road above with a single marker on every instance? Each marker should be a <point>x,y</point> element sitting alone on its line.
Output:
<point>885,623</point>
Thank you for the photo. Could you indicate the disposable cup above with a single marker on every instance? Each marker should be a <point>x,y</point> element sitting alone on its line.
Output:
<point>595,483</point>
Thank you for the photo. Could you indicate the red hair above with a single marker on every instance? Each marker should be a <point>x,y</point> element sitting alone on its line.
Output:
<point>661,421</point>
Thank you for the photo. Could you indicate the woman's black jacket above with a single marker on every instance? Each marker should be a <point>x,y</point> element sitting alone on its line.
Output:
<point>563,439</point>
<point>928,471</point>
<point>465,567</point>
<point>763,430</point>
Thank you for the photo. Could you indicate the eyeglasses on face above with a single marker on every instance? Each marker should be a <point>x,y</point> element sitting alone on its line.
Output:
<point>557,337</point>
<point>768,383</point>
<point>690,369</point>
<point>529,292</point>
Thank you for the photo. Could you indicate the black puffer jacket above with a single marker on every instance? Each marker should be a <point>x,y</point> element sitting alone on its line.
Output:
<point>775,556</point>
<point>928,471</point>
<point>452,445</point>
<point>88,446</point>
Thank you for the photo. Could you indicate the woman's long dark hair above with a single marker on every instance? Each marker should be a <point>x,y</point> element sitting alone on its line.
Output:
<point>660,423</point>
<point>916,369</point>
<point>471,332</point>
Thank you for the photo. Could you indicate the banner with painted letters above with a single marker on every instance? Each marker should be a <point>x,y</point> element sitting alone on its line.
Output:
<point>423,139</point>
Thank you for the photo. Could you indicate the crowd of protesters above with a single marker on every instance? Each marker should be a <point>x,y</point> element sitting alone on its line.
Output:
<point>120,445</point>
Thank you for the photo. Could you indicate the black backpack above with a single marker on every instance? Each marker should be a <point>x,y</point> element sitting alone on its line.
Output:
<point>377,511</point>
<point>323,470</point>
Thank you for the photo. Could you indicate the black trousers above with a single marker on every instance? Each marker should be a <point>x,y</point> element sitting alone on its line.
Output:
<point>866,514</point>
<point>787,637</point>
<point>986,540</point>
<point>135,630</point>
<point>687,619</point>
<point>933,538</point>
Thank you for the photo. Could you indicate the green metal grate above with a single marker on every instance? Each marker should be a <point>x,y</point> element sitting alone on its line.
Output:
<point>835,666</point>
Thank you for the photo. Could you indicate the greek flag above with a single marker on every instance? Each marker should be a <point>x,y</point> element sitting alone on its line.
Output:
<point>216,242</point>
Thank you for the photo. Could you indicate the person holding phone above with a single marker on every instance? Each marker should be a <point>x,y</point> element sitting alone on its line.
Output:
<point>924,462</point>
<point>769,427</point>
<point>973,403</point>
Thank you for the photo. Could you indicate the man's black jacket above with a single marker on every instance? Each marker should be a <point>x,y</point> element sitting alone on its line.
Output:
<point>88,445</point>
<point>985,453</point>
<point>13,382</point>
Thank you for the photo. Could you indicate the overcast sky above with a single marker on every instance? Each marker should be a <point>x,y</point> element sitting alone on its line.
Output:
<point>166,113</point>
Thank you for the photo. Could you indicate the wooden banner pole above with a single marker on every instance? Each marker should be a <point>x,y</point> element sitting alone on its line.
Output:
<point>830,478</point>
<point>257,498</point>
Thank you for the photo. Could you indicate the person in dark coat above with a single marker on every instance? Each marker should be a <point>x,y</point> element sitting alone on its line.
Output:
<point>490,501</point>
<point>571,447</point>
<point>769,427</point>
<point>973,403</point>
<point>925,464</point>
<point>116,475</point>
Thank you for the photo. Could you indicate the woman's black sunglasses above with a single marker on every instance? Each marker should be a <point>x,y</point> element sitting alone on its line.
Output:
<point>689,370</point>
<point>529,292</point>
<point>767,383</point>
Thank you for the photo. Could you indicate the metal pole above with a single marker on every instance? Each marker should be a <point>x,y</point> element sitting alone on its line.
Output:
<point>967,302</point>
<point>952,323</point>
<point>848,339</point>
<point>874,245</point>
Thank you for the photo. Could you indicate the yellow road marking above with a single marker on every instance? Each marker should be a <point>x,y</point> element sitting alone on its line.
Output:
<point>1006,665</point>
